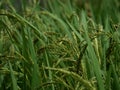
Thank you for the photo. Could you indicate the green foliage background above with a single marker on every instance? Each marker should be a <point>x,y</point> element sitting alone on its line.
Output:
<point>59,45</point>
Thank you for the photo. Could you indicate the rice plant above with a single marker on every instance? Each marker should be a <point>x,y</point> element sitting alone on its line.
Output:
<point>59,45</point>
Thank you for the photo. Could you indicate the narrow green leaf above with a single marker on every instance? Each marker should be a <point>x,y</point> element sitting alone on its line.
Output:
<point>14,81</point>
<point>91,52</point>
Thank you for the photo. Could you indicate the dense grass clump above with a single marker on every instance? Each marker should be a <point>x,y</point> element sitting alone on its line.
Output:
<point>59,45</point>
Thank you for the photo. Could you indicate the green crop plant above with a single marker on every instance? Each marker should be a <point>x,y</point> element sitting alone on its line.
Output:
<point>59,45</point>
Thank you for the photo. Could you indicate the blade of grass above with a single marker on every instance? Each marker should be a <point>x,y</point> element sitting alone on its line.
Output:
<point>35,72</point>
<point>14,81</point>
<point>75,31</point>
<point>50,72</point>
<point>116,83</point>
<point>61,22</point>
<point>21,19</point>
<point>93,57</point>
